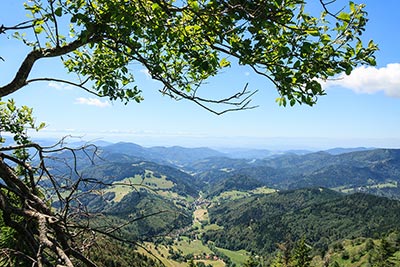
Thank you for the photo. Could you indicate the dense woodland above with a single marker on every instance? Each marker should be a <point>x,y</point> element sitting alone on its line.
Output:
<point>258,223</point>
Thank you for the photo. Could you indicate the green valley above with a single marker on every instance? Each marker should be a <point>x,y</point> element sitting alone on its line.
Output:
<point>235,212</point>
<point>212,210</point>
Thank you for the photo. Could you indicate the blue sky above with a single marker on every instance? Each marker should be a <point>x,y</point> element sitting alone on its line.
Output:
<point>360,110</point>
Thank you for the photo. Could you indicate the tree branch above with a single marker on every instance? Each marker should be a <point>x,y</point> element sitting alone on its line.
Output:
<point>79,85</point>
<point>20,79</point>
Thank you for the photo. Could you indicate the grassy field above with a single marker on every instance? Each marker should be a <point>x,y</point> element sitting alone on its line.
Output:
<point>239,257</point>
<point>352,253</point>
<point>345,189</point>
<point>185,247</point>
<point>384,185</point>
<point>235,194</point>
<point>218,263</point>
<point>212,227</point>
<point>160,253</point>
<point>201,215</point>
<point>194,247</point>
<point>127,185</point>
<point>263,190</point>
<point>231,195</point>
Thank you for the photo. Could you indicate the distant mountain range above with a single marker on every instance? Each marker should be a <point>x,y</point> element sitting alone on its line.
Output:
<point>366,169</point>
<point>175,155</point>
<point>358,169</point>
<point>172,152</point>
<point>254,199</point>
<point>183,154</point>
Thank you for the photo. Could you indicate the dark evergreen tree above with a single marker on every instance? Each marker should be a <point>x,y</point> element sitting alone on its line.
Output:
<point>300,254</point>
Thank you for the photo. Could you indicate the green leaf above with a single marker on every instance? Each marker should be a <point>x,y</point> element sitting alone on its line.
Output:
<point>38,29</point>
<point>224,63</point>
<point>41,126</point>
<point>306,48</point>
<point>344,16</point>
<point>325,39</point>
<point>371,61</point>
<point>359,46</point>
<point>313,32</point>
<point>11,106</point>
<point>58,12</point>
<point>194,5</point>
<point>281,101</point>
<point>349,69</point>
<point>352,6</point>
<point>155,7</point>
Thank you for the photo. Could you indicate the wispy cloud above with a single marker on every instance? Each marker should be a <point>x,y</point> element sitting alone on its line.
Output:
<point>369,80</point>
<point>92,102</point>
<point>59,86</point>
<point>145,72</point>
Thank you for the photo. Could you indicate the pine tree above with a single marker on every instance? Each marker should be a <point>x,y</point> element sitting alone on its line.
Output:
<point>300,256</point>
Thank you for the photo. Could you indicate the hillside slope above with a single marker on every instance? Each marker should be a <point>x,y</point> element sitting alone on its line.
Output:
<point>259,222</point>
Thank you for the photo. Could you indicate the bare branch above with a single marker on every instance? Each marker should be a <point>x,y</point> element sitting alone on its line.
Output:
<point>26,167</point>
<point>20,26</point>
<point>325,7</point>
<point>55,23</point>
<point>79,85</point>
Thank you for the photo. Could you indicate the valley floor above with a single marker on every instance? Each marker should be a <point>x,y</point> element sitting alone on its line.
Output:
<point>186,249</point>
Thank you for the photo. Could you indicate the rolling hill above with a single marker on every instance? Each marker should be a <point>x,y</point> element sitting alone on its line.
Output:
<point>259,222</point>
<point>237,197</point>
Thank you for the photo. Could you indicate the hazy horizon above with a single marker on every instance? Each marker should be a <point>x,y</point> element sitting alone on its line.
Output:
<point>223,142</point>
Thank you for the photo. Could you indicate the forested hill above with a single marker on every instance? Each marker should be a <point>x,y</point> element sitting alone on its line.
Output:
<point>375,171</point>
<point>192,170</point>
<point>239,203</point>
<point>259,222</point>
<point>174,155</point>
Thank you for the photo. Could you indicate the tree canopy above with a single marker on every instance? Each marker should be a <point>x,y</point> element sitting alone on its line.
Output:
<point>182,43</point>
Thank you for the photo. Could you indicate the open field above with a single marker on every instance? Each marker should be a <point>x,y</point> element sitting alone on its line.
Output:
<point>200,215</point>
<point>195,247</point>
<point>239,257</point>
<point>263,190</point>
<point>235,194</point>
<point>345,189</point>
<point>184,247</point>
<point>127,185</point>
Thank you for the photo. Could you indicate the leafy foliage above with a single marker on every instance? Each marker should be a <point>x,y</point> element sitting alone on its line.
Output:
<point>183,43</point>
<point>354,171</point>
<point>15,121</point>
<point>104,255</point>
<point>259,222</point>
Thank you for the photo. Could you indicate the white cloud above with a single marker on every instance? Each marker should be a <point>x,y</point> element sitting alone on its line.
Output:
<point>92,102</point>
<point>145,72</point>
<point>59,86</point>
<point>369,80</point>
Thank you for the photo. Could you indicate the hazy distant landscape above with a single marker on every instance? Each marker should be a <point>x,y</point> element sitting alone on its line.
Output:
<point>231,207</point>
